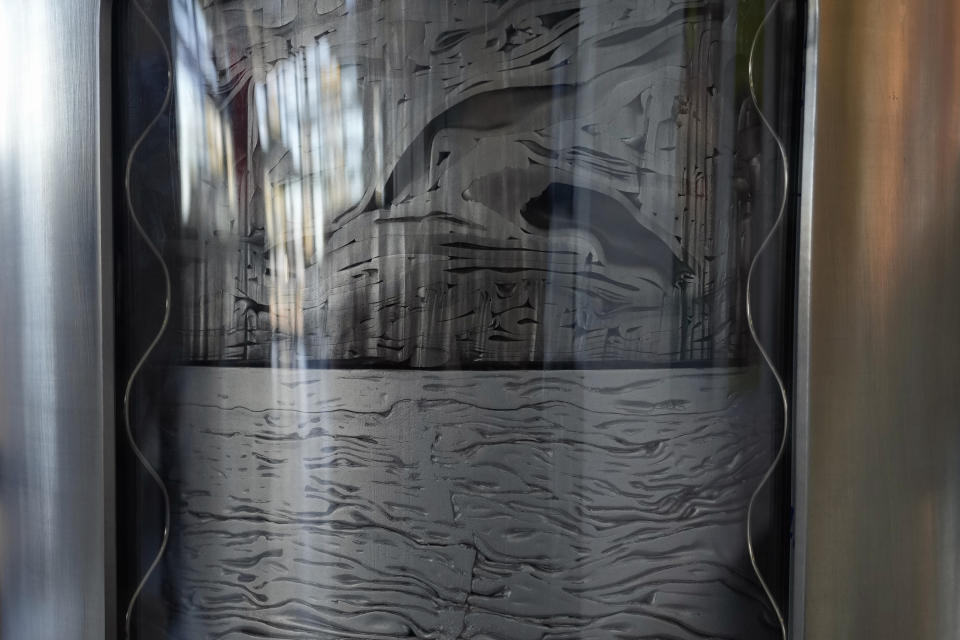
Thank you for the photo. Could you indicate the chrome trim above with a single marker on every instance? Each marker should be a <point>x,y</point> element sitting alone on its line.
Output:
<point>774,231</point>
<point>801,384</point>
<point>107,331</point>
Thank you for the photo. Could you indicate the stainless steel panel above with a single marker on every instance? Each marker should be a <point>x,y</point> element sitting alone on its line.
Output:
<point>55,403</point>
<point>880,385</point>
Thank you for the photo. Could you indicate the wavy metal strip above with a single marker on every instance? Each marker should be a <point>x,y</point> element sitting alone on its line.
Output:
<point>753,331</point>
<point>151,471</point>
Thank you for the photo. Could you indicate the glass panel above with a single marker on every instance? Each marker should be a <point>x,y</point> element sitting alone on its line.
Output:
<point>458,344</point>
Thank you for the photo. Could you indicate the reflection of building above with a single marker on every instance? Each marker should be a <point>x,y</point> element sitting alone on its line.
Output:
<point>520,185</point>
<point>451,184</point>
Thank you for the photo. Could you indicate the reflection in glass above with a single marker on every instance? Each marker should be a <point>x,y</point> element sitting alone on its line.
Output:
<point>461,347</point>
<point>479,183</point>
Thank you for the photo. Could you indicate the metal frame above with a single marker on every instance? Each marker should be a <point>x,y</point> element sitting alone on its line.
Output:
<point>105,232</point>
<point>801,386</point>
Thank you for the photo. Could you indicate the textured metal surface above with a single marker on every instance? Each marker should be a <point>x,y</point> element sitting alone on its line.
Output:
<point>883,514</point>
<point>56,563</point>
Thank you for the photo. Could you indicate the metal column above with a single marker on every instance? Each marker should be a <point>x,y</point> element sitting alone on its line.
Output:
<point>879,499</point>
<point>56,438</point>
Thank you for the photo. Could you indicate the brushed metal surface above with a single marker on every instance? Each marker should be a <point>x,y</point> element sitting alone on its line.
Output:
<point>883,521</point>
<point>55,403</point>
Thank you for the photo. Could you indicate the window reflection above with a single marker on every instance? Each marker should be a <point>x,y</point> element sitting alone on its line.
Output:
<point>267,195</point>
<point>466,282</point>
<point>464,185</point>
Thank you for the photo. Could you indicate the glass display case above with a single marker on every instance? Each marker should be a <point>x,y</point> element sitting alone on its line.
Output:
<point>479,319</point>
<point>457,342</point>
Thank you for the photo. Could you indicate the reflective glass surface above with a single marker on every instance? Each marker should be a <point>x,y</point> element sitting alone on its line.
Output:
<point>457,343</point>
